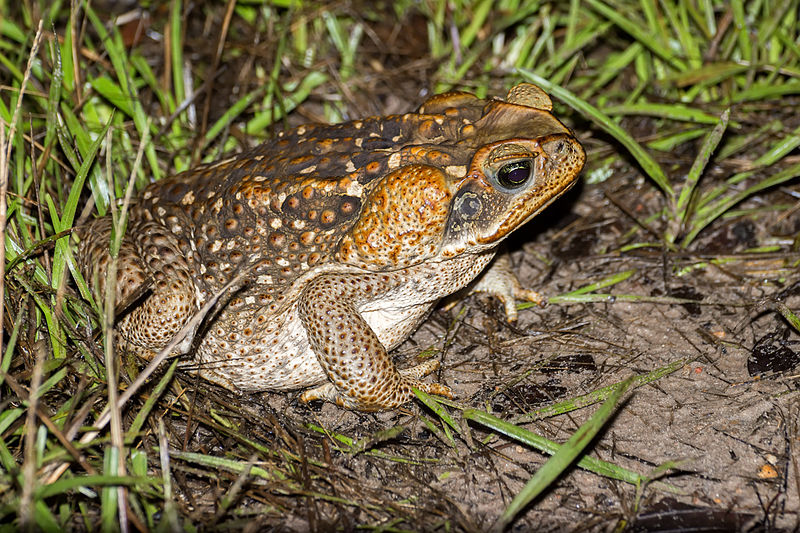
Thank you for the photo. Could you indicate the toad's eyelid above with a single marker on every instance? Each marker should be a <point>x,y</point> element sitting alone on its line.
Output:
<point>504,159</point>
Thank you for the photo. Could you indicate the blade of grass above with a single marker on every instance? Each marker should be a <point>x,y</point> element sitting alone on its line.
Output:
<point>601,394</point>
<point>651,168</point>
<point>601,468</point>
<point>123,69</point>
<point>668,111</point>
<point>609,281</point>
<point>561,460</point>
<point>63,486</point>
<point>713,212</point>
<point>790,317</point>
<point>683,202</point>
<point>229,465</point>
<point>437,408</point>
<point>144,412</point>
<point>628,24</point>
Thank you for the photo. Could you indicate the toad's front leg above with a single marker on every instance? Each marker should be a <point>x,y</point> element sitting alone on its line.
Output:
<point>362,374</point>
<point>501,282</point>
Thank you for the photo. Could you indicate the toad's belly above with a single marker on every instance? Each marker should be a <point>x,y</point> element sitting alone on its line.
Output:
<point>281,357</point>
<point>277,356</point>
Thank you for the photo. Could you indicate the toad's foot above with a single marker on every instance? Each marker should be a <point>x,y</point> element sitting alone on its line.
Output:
<point>409,378</point>
<point>501,282</point>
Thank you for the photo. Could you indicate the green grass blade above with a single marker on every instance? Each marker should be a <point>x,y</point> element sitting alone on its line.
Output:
<point>591,464</point>
<point>561,460</point>
<point>66,485</point>
<point>108,494</point>
<point>671,141</point>
<point>112,92</point>
<point>70,208</point>
<point>436,407</point>
<point>668,111</point>
<point>480,13</point>
<point>651,168</point>
<point>229,465</point>
<point>176,49</point>
<point>45,519</point>
<point>717,209</point>
<point>601,394</point>
<point>683,203</point>
<point>141,416</point>
<point>790,317</point>
<point>8,28</point>
<point>627,23</point>
<point>608,281</point>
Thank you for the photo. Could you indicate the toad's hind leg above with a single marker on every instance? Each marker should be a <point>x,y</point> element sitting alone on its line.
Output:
<point>149,257</point>
<point>362,374</point>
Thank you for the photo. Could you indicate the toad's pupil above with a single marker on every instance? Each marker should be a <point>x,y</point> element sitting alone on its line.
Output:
<point>514,174</point>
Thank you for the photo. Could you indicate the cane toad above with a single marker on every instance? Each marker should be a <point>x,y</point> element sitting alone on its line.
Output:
<point>347,236</point>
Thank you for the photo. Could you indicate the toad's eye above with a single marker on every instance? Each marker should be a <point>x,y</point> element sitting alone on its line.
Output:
<point>514,175</point>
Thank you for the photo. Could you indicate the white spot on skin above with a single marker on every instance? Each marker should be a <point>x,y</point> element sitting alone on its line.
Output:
<point>188,198</point>
<point>301,130</point>
<point>282,262</point>
<point>394,160</point>
<point>201,299</point>
<point>298,224</point>
<point>217,207</point>
<point>217,246</point>
<point>161,211</point>
<point>358,142</point>
<point>264,279</point>
<point>259,178</point>
<point>177,229</point>
<point>354,188</point>
<point>350,167</point>
<point>309,170</point>
<point>250,300</point>
<point>275,223</point>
